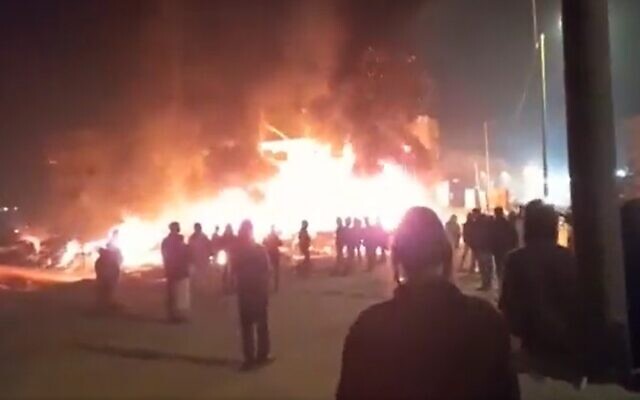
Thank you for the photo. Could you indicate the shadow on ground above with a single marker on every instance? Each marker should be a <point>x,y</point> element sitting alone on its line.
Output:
<point>155,355</point>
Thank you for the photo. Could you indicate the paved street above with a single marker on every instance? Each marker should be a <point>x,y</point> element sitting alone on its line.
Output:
<point>52,345</point>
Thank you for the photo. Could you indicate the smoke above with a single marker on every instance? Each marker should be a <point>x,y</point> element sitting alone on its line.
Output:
<point>197,78</point>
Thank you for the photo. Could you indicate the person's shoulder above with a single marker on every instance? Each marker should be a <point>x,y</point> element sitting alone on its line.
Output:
<point>484,314</point>
<point>374,316</point>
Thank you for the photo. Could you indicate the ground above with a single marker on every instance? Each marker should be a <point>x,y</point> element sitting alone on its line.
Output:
<point>53,345</point>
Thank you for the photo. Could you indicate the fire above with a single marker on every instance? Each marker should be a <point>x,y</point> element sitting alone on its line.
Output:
<point>311,183</point>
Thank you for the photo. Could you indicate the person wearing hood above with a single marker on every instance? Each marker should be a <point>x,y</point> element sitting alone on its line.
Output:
<point>417,345</point>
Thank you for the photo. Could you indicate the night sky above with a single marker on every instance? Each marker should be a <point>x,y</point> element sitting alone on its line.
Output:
<point>68,66</point>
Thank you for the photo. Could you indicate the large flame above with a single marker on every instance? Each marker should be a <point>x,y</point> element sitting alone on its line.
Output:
<point>311,183</point>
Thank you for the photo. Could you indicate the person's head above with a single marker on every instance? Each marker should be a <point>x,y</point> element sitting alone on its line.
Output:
<point>174,227</point>
<point>245,232</point>
<point>347,221</point>
<point>102,252</point>
<point>305,224</point>
<point>357,223</point>
<point>273,229</point>
<point>216,229</point>
<point>540,223</point>
<point>339,222</point>
<point>197,227</point>
<point>367,223</point>
<point>228,229</point>
<point>453,218</point>
<point>475,212</point>
<point>421,246</point>
<point>498,212</point>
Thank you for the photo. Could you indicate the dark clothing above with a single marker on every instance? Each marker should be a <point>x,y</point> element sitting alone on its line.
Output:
<point>272,243</point>
<point>254,328</point>
<point>107,268</point>
<point>454,233</point>
<point>340,244</point>
<point>216,243</point>
<point>370,243</point>
<point>540,298</point>
<point>250,268</point>
<point>504,236</point>
<point>175,257</point>
<point>199,250</point>
<point>304,244</point>
<point>417,346</point>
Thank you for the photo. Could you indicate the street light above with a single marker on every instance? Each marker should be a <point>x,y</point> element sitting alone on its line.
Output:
<point>538,39</point>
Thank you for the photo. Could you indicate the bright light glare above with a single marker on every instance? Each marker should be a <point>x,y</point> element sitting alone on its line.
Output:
<point>311,183</point>
<point>621,173</point>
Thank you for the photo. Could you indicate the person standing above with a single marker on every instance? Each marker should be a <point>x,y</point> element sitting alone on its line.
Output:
<point>350,245</point>
<point>227,242</point>
<point>340,242</point>
<point>482,249</point>
<point>370,244</point>
<point>175,257</point>
<point>540,298</point>
<point>199,254</point>
<point>469,235</point>
<point>357,238</point>
<point>417,345</point>
<point>272,243</point>
<point>504,238</point>
<point>107,268</point>
<point>304,245</point>
<point>250,270</point>
<point>454,232</point>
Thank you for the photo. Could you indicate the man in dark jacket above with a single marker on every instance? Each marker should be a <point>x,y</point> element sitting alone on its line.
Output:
<point>539,296</point>
<point>272,243</point>
<point>482,249</point>
<point>304,245</point>
<point>250,268</point>
<point>340,243</point>
<point>504,238</point>
<point>175,256</point>
<point>200,253</point>
<point>107,268</point>
<point>417,345</point>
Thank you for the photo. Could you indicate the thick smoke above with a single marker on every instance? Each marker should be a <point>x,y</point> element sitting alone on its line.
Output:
<point>197,80</point>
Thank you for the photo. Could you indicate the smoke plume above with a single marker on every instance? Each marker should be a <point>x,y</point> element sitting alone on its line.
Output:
<point>190,84</point>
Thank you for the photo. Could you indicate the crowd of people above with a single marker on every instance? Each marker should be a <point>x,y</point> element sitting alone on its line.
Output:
<point>416,345</point>
<point>487,241</point>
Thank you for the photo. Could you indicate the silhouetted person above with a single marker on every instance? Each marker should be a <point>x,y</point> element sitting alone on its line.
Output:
<point>418,344</point>
<point>175,256</point>
<point>304,245</point>
<point>350,245</point>
<point>504,238</point>
<point>107,268</point>
<point>272,243</point>
<point>250,266</point>
<point>482,249</point>
<point>227,242</point>
<point>382,239</point>
<point>540,292</point>
<point>216,241</point>
<point>370,244</point>
<point>469,236</point>
<point>199,253</point>
<point>356,232</point>
<point>340,243</point>
<point>454,232</point>
<point>114,248</point>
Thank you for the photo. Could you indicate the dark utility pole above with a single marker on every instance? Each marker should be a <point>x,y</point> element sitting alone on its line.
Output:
<point>592,162</point>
